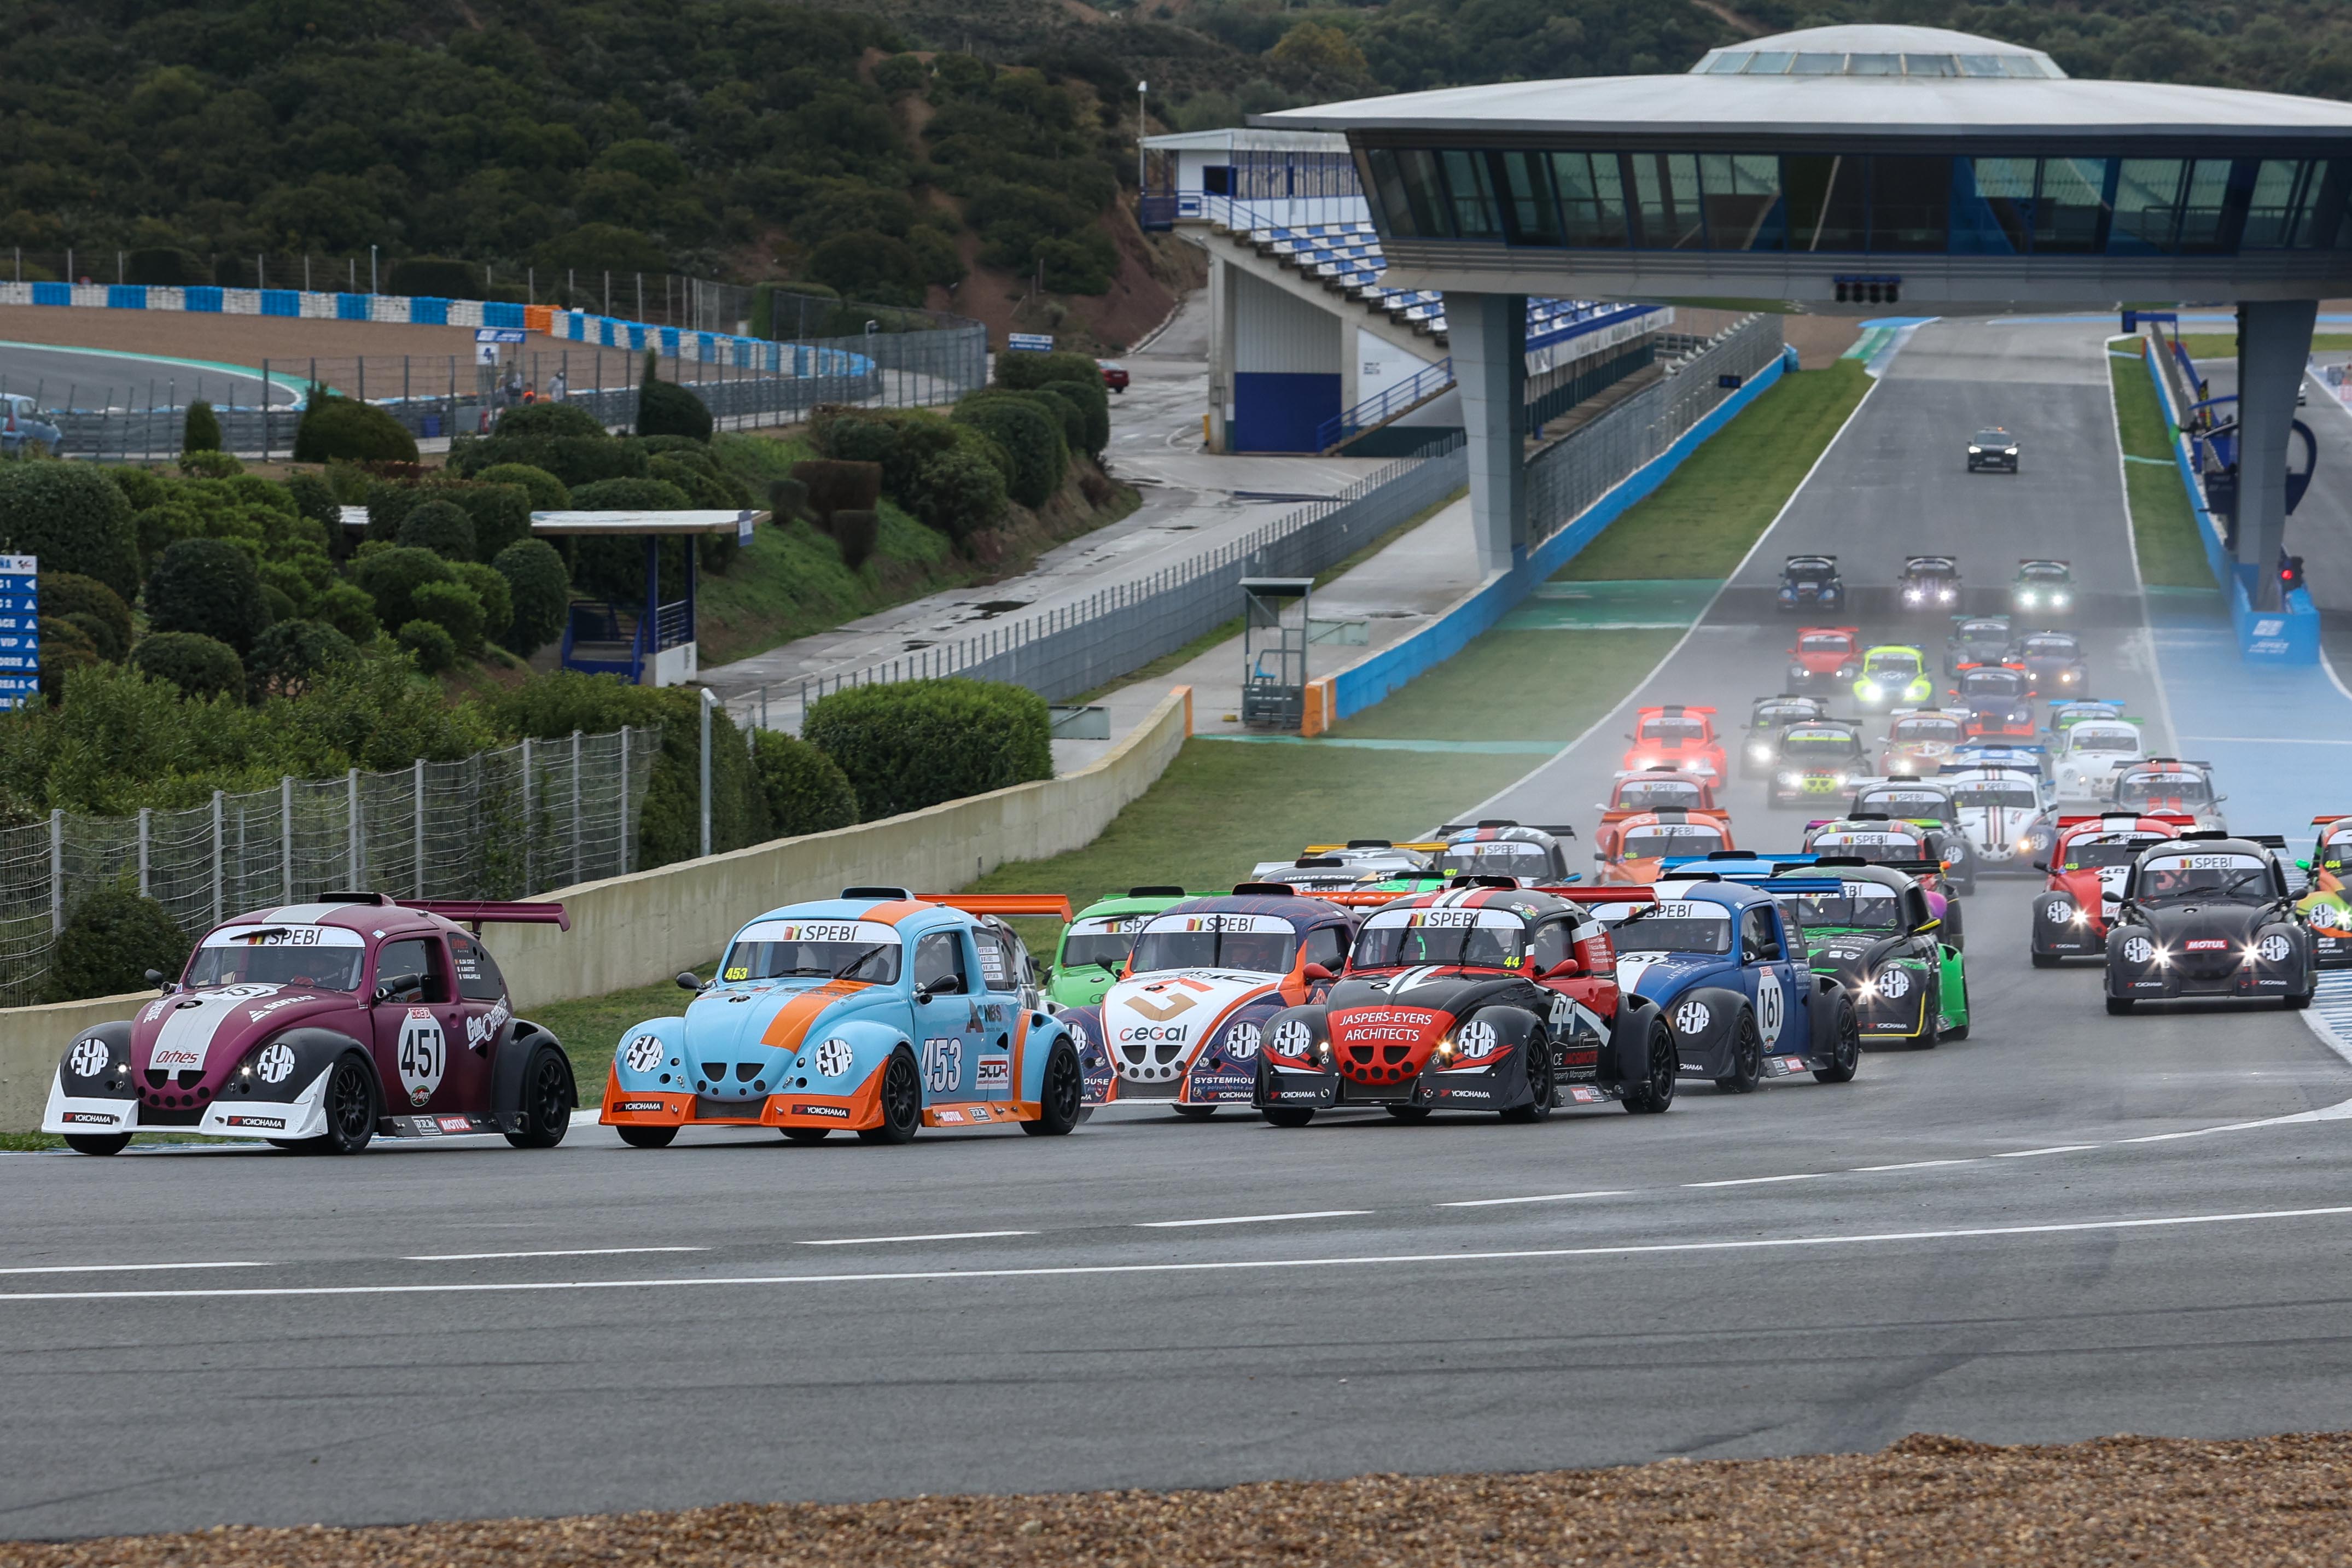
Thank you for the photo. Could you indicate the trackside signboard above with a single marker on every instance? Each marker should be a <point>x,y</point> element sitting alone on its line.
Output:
<point>20,630</point>
<point>1029,342</point>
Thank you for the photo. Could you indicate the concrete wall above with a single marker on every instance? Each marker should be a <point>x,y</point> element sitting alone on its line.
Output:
<point>638,929</point>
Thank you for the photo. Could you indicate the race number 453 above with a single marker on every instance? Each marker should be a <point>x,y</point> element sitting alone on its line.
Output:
<point>942,1064</point>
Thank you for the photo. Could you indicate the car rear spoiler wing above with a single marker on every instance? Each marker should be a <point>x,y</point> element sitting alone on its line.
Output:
<point>1018,905</point>
<point>1557,830</point>
<point>2325,821</point>
<point>488,912</point>
<point>2125,819</point>
<point>1417,846</point>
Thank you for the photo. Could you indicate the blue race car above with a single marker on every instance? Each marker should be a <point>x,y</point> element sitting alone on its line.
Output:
<point>877,1013</point>
<point>1723,963</point>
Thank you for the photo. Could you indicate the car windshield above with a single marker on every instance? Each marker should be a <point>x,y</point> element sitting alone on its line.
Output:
<point>865,950</point>
<point>1984,631</point>
<point>2182,875</point>
<point>1651,795</point>
<point>1671,839</point>
<point>1818,745</point>
<point>1672,729</point>
<point>1904,665</point>
<point>1930,571</point>
<point>317,958</point>
<point>2042,574</point>
<point>1674,927</point>
<point>1259,944</point>
<point>1990,438</point>
<point>2083,855</point>
<point>2104,740</point>
<point>1855,906</point>
<point>1826,645</point>
<point>1104,939</point>
<point>1480,938</point>
<point>1992,684</point>
<point>2020,797</point>
<point>1806,571</point>
<point>2051,647</point>
<point>1925,729</point>
<point>1495,857</point>
<point>2156,789</point>
<point>1905,803</point>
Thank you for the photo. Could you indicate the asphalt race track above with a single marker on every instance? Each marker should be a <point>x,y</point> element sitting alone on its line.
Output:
<point>107,378</point>
<point>2066,1225</point>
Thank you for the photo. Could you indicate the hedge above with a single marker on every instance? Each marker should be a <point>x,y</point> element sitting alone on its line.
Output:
<point>336,427</point>
<point>293,656</point>
<point>65,646</point>
<point>549,419</point>
<point>67,594</point>
<point>490,590</point>
<point>807,791</point>
<point>201,431</point>
<point>430,646</point>
<point>958,492</point>
<point>666,408</point>
<point>539,590</point>
<point>914,743</point>
<point>546,492</point>
<point>1067,415</point>
<point>838,485</point>
<point>74,518</point>
<point>207,586</point>
<point>112,936</point>
<point>574,460</point>
<point>1034,443</point>
<point>1026,373</point>
<point>453,607</point>
<point>1093,402</point>
<point>202,667</point>
<point>390,577</point>
<point>440,526</point>
<point>348,608</point>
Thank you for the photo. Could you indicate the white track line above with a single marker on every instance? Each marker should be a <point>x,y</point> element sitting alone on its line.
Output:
<point>1250,1218</point>
<point>127,1268</point>
<point>1758,1181</point>
<point>939,1235</point>
<point>566,1253</point>
<point>1539,1197</point>
<point>1447,1260</point>
<point>2058,1149</point>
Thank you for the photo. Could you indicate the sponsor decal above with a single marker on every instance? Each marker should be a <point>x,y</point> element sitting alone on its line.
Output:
<point>2138,950</point>
<point>2204,945</point>
<point>952,1118</point>
<point>1582,1095</point>
<point>1689,1067</point>
<point>2057,912</point>
<point>1895,983</point>
<point>643,1053</point>
<point>265,1008</point>
<point>454,1124</point>
<point>2273,948</point>
<point>1772,1007</point>
<point>942,1063</point>
<point>1691,1018</point>
<point>94,1118</point>
<point>423,1052</point>
<point>1467,1094</point>
<point>274,1064</point>
<point>1219,1082</point>
<point>1298,1094</point>
<point>980,1114</point>
<point>1292,1038</point>
<point>641,1105</point>
<point>834,1058</point>
<point>259,1123</point>
<point>89,1057</point>
<point>1241,1041</point>
<point>837,1112</point>
<point>993,1072</point>
<point>1476,1037</point>
<point>483,1027</point>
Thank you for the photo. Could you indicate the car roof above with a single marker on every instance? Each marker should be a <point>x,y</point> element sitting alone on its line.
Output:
<point>1514,834</point>
<point>2211,846</point>
<point>1735,894</point>
<point>1528,903</point>
<point>912,913</point>
<point>1128,904</point>
<point>1302,910</point>
<point>385,921</point>
<point>1893,648</point>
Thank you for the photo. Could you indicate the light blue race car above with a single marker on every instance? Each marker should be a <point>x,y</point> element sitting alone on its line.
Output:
<point>878,1013</point>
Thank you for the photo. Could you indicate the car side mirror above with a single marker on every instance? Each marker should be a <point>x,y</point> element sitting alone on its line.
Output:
<point>155,978</point>
<point>392,986</point>
<point>2041,865</point>
<point>689,981</point>
<point>1317,972</point>
<point>2299,865</point>
<point>1568,965</point>
<point>1926,925</point>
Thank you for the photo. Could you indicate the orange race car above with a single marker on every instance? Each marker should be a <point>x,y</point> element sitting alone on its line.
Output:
<point>2087,866</point>
<point>1634,845</point>
<point>1824,658</point>
<point>1682,739</point>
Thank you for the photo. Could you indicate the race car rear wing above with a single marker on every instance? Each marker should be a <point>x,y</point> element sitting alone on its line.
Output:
<point>1019,905</point>
<point>1557,830</point>
<point>476,912</point>
<point>2125,819</point>
<point>1417,846</point>
<point>2325,820</point>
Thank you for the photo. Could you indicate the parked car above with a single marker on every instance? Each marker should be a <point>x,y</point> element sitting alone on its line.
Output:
<point>1114,374</point>
<point>19,424</point>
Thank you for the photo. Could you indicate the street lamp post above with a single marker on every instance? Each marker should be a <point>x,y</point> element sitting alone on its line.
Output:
<point>371,280</point>
<point>1140,88</point>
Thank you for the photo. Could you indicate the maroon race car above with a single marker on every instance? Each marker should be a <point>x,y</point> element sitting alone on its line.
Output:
<point>320,1026</point>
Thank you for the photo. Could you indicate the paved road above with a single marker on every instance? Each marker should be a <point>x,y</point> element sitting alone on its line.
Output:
<point>2066,1225</point>
<point>113,379</point>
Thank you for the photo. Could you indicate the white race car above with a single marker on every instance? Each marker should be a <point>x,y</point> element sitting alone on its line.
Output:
<point>2088,753</point>
<point>2006,811</point>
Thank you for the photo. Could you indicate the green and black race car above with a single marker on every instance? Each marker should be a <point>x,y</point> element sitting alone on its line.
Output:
<point>1094,946</point>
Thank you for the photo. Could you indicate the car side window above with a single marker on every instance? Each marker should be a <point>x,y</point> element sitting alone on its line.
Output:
<point>415,955</point>
<point>937,957</point>
<point>1327,946</point>
<point>1551,946</point>
<point>1761,940</point>
<point>479,979</point>
<point>998,965</point>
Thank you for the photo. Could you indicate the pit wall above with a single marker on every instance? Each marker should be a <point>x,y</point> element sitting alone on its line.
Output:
<point>637,929</point>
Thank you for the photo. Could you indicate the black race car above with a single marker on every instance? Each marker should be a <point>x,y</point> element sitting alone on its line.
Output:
<point>1976,640</point>
<point>2000,703</point>
<point>1928,582</point>
<point>2042,586</point>
<point>2053,663</point>
<point>1811,583</point>
<point>1768,719</point>
<point>1992,448</point>
<point>2206,914</point>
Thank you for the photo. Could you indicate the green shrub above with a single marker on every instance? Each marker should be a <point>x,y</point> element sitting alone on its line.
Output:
<point>1068,415</point>
<point>347,607</point>
<point>278,603</point>
<point>314,498</point>
<point>916,743</point>
<point>142,488</point>
<point>335,427</point>
<point>442,526</point>
<point>202,667</point>
<point>899,75</point>
<point>501,513</point>
<point>453,607</point>
<point>103,642</point>
<point>788,499</point>
<point>74,518</point>
<point>207,586</point>
<point>112,936</point>
<point>630,496</point>
<point>293,656</point>
<point>435,278</point>
<point>389,502</point>
<point>286,579</point>
<point>349,482</point>
<point>430,646</point>
<point>958,492</point>
<point>807,791</point>
<point>1093,402</point>
<point>1027,372</point>
<point>68,593</point>
<point>900,440</point>
<point>546,491</point>
<point>838,487</point>
<point>666,408</point>
<point>201,430</point>
<point>64,647</point>
<point>1034,443</point>
<point>856,533</point>
<point>540,592</point>
<point>550,418</point>
<point>703,490</point>
<point>574,460</point>
<point>390,577</point>
<point>490,589</point>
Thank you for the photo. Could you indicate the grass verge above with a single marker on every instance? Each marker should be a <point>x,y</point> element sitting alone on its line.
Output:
<point>1702,521</point>
<point>2163,528</point>
<point>2203,346</point>
<point>590,1027</point>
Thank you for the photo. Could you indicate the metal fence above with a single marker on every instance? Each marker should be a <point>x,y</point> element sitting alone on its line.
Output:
<point>499,824</point>
<point>1576,470</point>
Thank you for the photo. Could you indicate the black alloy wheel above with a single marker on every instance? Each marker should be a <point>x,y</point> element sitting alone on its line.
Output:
<point>1543,1074</point>
<point>351,1108</point>
<point>1846,1050</point>
<point>1062,1098</point>
<point>1747,1058</point>
<point>902,1102</point>
<point>546,1100</point>
<point>1655,1093</point>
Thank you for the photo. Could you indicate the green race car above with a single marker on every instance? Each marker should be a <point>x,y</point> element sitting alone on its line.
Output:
<point>1094,946</point>
<point>1873,928</point>
<point>2042,586</point>
<point>1893,677</point>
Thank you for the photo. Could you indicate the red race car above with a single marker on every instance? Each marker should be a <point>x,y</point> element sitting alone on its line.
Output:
<point>1825,658</point>
<point>1677,737</point>
<point>2087,866</point>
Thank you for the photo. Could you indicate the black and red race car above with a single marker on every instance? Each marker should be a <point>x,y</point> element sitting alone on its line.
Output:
<point>1676,737</point>
<point>1999,701</point>
<point>1824,658</point>
<point>2087,866</point>
<point>1475,998</point>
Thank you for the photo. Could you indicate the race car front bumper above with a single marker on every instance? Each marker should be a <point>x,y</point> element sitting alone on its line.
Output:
<point>1498,1087</point>
<point>2333,949</point>
<point>245,1117</point>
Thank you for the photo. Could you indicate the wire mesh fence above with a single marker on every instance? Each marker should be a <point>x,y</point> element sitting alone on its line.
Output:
<point>498,824</point>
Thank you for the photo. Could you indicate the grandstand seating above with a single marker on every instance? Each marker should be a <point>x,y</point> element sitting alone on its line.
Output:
<point>1347,258</point>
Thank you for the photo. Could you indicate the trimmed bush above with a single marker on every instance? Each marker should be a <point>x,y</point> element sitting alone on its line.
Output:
<point>546,491</point>
<point>335,427</point>
<point>202,667</point>
<point>490,590</point>
<point>901,441</point>
<point>1064,412</point>
<point>501,514</point>
<point>102,640</point>
<point>958,492</point>
<point>630,496</point>
<point>112,936</point>
<point>788,499</point>
<point>1092,401</point>
<point>74,518</point>
<point>278,602</point>
<point>389,578</point>
<point>453,607</point>
<point>1034,443</point>
<point>807,791</point>
<point>286,579</point>
<point>442,526</point>
<point>140,487</point>
<point>574,460</point>
<point>66,593</point>
<point>1027,372</point>
<point>64,647</point>
<point>201,430</point>
<point>856,533</point>
<point>540,592</point>
<point>550,418</point>
<point>210,586</point>
<point>430,646</point>
<point>314,498</point>
<point>666,408</point>
<point>838,487</point>
<point>701,489</point>
<point>348,608</point>
<point>293,656</point>
<point>914,743</point>
<point>388,506</point>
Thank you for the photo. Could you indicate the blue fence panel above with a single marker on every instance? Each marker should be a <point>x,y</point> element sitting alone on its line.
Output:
<point>126,296</point>
<point>52,293</point>
<point>425,311</point>
<point>281,302</point>
<point>351,307</point>
<point>206,300</point>
<point>501,313</point>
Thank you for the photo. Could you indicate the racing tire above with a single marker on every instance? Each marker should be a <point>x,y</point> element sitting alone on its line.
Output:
<point>2120,1004</point>
<point>646,1137</point>
<point>1289,1115</point>
<point>2296,1004</point>
<point>350,1106</point>
<point>804,1135</point>
<point>1931,1019</point>
<point>2046,960</point>
<point>1408,1113</point>
<point>547,1100</point>
<point>1060,1097</point>
<point>901,1102</point>
<point>1543,1074</point>
<point>1655,1093</point>
<point>1954,931</point>
<point>1845,1053</point>
<point>97,1143</point>
<point>1747,1058</point>
<point>1194,1113</point>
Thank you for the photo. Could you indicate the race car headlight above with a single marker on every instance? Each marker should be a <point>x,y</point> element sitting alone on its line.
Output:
<point>1838,779</point>
<point>1976,451</point>
<point>1912,596</point>
<point>2060,601</point>
<point>1642,762</point>
<point>2068,675</point>
<point>1868,691</point>
<point>2008,452</point>
<point>1943,595</point>
<point>2028,598</point>
<point>1759,752</point>
<point>1790,778</point>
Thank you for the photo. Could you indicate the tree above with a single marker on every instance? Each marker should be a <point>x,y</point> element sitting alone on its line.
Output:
<point>210,586</point>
